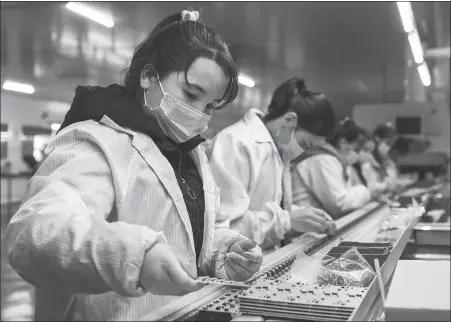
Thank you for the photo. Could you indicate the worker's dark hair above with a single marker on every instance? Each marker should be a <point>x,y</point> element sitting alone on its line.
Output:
<point>172,46</point>
<point>347,129</point>
<point>385,131</point>
<point>313,110</point>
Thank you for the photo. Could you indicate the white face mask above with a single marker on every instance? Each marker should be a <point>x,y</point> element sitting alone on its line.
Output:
<point>306,140</point>
<point>384,148</point>
<point>179,121</point>
<point>285,136</point>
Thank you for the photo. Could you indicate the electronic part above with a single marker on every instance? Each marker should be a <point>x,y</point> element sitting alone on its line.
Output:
<point>279,273</point>
<point>296,300</point>
<point>226,305</point>
<point>204,316</point>
<point>229,303</point>
<point>218,281</point>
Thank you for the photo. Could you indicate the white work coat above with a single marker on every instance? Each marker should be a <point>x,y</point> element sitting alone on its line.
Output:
<point>62,241</point>
<point>391,169</point>
<point>319,181</point>
<point>374,174</point>
<point>248,170</point>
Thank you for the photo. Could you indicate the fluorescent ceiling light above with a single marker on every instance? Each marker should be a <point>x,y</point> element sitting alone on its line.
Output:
<point>55,126</point>
<point>425,76</point>
<point>417,48</point>
<point>246,81</point>
<point>90,13</point>
<point>18,87</point>
<point>406,13</point>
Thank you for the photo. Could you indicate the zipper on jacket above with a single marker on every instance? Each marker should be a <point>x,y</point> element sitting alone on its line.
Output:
<point>192,195</point>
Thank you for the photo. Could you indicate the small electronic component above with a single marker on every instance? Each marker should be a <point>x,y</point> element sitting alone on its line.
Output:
<point>229,303</point>
<point>272,293</point>
<point>301,301</point>
<point>272,285</point>
<point>218,281</point>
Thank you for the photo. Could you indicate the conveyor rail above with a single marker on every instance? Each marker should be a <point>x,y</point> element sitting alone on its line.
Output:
<point>356,226</point>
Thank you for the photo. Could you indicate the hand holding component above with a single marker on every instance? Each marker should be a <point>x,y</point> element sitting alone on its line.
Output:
<point>164,273</point>
<point>309,219</point>
<point>392,184</point>
<point>377,191</point>
<point>243,260</point>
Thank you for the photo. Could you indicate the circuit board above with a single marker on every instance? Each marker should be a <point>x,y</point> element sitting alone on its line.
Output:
<point>296,300</point>
<point>326,303</point>
<point>336,302</point>
<point>218,281</point>
<point>227,306</point>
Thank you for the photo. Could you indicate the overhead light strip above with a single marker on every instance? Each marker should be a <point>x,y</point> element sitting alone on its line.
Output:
<point>408,23</point>
<point>417,48</point>
<point>406,13</point>
<point>246,81</point>
<point>90,13</point>
<point>425,76</point>
<point>18,87</point>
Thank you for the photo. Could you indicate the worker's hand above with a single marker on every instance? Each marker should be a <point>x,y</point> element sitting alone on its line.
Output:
<point>243,260</point>
<point>404,181</point>
<point>309,219</point>
<point>392,184</point>
<point>377,191</point>
<point>164,273</point>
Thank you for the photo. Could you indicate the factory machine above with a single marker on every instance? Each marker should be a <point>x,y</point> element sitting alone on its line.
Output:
<point>272,293</point>
<point>431,238</point>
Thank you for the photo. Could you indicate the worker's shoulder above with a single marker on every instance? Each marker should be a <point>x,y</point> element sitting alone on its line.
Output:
<point>98,133</point>
<point>237,133</point>
<point>103,140</point>
<point>314,161</point>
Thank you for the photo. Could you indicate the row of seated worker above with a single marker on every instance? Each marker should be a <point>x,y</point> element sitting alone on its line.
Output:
<point>126,211</point>
<point>296,169</point>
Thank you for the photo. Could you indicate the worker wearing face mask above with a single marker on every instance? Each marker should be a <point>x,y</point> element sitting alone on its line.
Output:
<point>385,136</point>
<point>250,162</point>
<point>323,172</point>
<point>377,173</point>
<point>121,217</point>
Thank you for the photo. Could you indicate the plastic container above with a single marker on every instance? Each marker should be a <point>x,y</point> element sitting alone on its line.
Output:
<point>369,251</point>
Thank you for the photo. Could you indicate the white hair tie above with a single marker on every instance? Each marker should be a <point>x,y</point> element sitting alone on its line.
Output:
<point>190,15</point>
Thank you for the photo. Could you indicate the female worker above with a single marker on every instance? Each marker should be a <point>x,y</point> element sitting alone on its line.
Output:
<point>123,209</point>
<point>364,146</point>
<point>248,160</point>
<point>377,173</point>
<point>385,136</point>
<point>322,173</point>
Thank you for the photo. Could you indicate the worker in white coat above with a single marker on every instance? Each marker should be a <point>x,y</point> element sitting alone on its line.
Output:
<point>123,213</point>
<point>248,160</point>
<point>323,173</point>
<point>385,136</point>
<point>378,170</point>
